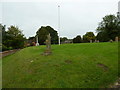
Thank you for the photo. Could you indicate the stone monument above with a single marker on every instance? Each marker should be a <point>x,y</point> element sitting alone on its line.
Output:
<point>90,41</point>
<point>48,45</point>
<point>116,39</point>
<point>97,41</point>
<point>111,40</point>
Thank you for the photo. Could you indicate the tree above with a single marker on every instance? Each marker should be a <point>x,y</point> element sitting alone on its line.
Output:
<point>85,39</point>
<point>63,39</point>
<point>77,39</point>
<point>109,28</point>
<point>2,33</point>
<point>31,41</point>
<point>2,38</point>
<point>14,38</point>
<point>44,31</point>
<point>102,37</point>
<point>88,36</point>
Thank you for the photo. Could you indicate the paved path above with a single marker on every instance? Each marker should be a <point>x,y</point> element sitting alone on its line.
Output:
<point>5,53</point>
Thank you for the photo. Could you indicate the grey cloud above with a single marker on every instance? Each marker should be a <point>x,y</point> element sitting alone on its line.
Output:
<point>76,18</point>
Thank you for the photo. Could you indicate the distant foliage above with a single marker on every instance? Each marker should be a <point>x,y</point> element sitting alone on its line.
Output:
<point>77,39</point>
<point>102,37</point>
<point>63,39</point>
<point>88,36</point>
<point>44,31</point>
<point>31,41</point>
<point>108,28</point>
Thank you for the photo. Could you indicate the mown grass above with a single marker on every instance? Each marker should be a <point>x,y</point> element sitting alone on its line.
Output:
<point>69,66</point>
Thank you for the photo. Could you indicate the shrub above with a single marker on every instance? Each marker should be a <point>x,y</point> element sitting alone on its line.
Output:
<point>10,48</point>
<point>4,48</point>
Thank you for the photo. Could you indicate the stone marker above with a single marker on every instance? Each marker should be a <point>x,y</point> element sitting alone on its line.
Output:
<point>111,40</point>
<point>90,41</point>
<point>97,41</point>
<point>48,45</point>
<point>116,39</point>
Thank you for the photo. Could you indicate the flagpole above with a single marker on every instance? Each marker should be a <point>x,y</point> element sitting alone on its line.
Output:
<point>59,23</point>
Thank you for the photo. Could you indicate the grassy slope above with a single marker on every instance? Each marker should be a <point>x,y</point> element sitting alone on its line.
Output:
<point>53,72</point>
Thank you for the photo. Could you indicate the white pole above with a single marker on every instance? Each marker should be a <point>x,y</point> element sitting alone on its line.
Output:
<point>37,44</point>
<point>119,10</point>
<point>59,23</point>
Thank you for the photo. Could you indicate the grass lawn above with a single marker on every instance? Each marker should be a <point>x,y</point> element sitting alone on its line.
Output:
<point>84,65</point>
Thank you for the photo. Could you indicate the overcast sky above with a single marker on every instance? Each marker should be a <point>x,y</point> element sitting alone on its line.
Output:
<point>76,16</point>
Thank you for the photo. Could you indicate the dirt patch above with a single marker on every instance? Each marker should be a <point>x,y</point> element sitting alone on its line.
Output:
<point>104,67</point>
<point>30,71</point>
<point>56,65</point>
<point>68,61</point>
<point>47,52</point>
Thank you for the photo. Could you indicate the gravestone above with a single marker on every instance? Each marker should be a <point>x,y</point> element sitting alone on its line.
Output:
<point>48,45</point>
<point>111,40</point>
<point>97,41</point>
<point>116,39</point>
<point>90,41</point>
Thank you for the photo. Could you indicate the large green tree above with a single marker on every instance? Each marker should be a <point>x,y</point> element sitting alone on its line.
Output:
<point>102,37</point>
<point>2,37</point>
<point>108,28</point>
<point>44,31</point>
<point>14,38</point>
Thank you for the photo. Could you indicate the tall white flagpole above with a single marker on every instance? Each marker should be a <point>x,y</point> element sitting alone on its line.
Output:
<point>59,23</point>
<point>118,14</point>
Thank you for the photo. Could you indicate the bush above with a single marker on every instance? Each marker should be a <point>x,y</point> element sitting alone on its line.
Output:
<point>10,48</point>
<point>0,48</point>
<point>4,48</point>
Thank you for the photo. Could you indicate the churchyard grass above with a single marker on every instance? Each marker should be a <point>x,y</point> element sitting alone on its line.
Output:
<point>83,65</point>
